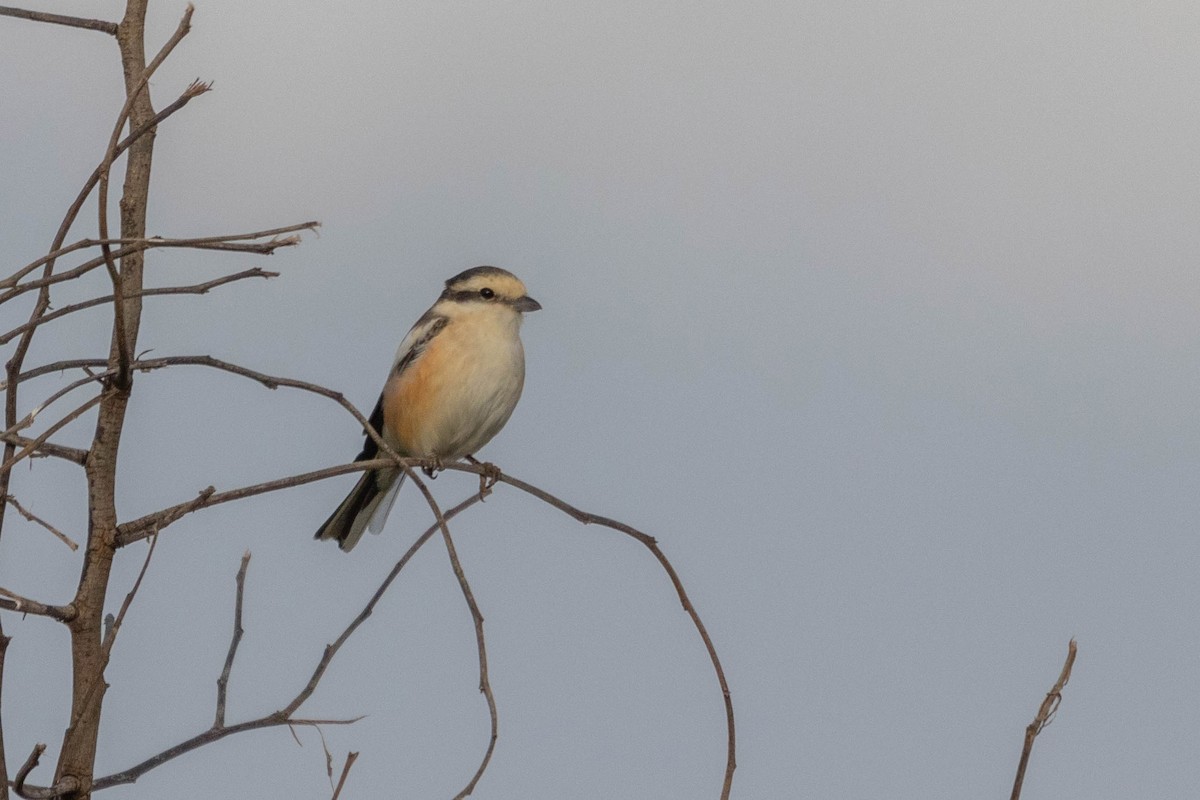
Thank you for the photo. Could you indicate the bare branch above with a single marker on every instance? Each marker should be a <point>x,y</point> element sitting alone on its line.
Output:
<point>57,249</point>
<point>101,25</point>
<point>23,605</point>
<point>200,740</point>
<point>350,759</point>
<point>72,454</point>
<point>223,680</point>
<point>13,367</point>
<point>1044,716</point>
<point>196,288</point>
<point>234,243</point>
<point>60,367</point>
<point>29,515</point>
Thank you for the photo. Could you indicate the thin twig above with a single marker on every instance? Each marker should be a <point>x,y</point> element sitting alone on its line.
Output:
<point>331,650</point>
<point>351,757</point>
<point>1044,717</point>
<point>200,740</point>
<point>33,414</point>
<point>56,248</point>
<point>196,288</point>
<point>223,680</point>
<point>284,715</point>
<point>485,685</point>
<point>13,367</point>
<point>72,454</point>
<point>104,26</point>
<point>324,750</point>
<point>230,244</point>
<point>110,637</point>
<point>46,434</point>
<point>29,515</point>
<point>85,364</point>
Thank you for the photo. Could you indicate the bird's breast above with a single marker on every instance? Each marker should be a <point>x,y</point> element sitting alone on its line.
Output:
<point>458,393</point>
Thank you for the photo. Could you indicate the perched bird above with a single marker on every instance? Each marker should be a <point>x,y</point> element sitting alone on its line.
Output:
<point>454,383</point>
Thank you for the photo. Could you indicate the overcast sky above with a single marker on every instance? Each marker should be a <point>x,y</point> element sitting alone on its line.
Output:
<point>881,317</point>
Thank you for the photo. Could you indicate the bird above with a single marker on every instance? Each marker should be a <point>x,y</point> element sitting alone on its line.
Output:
<point>455,380</point>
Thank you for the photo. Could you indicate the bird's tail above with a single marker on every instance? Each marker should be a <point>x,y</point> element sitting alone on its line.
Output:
<point>365,502</point>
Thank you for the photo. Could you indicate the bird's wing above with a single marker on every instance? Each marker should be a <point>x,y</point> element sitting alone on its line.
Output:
<point>418,338</point>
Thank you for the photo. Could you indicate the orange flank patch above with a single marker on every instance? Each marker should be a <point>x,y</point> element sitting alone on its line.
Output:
<point>414,402</point>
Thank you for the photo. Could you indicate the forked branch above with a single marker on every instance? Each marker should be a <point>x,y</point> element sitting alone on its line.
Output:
<point>284,715</point>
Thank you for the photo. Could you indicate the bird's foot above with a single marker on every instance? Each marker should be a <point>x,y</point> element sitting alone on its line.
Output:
<point>487,478</point>
<point>433,468</point>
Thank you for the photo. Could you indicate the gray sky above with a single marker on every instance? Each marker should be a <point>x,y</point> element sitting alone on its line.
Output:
<point>880,316</point>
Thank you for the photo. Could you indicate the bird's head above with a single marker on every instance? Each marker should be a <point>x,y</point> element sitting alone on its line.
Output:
<point>489,285</point>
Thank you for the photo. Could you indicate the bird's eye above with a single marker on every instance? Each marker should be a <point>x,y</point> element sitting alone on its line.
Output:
<point>486,294</point>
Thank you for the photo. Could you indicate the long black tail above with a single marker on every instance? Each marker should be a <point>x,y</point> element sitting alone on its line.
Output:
<point>347,523</point>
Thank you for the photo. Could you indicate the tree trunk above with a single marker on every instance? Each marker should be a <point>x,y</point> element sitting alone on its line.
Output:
<point>78,755</point>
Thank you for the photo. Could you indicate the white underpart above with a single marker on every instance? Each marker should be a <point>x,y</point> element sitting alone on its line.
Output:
<point>383,506</point>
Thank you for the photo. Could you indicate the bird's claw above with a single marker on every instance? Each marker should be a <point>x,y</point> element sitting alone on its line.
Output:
<point>488,477</point>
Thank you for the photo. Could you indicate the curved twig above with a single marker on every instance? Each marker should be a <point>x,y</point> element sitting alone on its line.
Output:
<point>67,786</point>
<point>594,519</point>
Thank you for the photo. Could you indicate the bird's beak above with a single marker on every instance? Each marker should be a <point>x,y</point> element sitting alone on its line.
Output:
<point>526,303</point>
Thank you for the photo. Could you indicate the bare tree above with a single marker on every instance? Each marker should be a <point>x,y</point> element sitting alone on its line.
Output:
<point>107,384</point>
